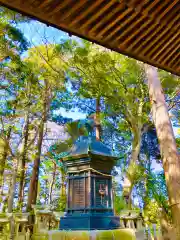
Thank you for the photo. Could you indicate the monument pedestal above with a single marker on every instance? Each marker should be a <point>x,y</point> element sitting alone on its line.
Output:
<point>89,222</point>
<point>117,234</point>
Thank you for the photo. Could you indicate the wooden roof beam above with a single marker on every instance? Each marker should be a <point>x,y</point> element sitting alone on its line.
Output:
<point>107,17</point>
<point>135,33</point>
<point>160,35</point>
<point>157,10</point>
<point>155,31</point>
<point>155,27</point>
<point>136,41</point>
<point>122,24</point>
<point>97,14</point>
<point>158,43</point>
<point>44,3</point>
<point>176,36</point>
<point>152,5</point>
<point>153,16</point>
<point>175,63</point>
<point>128,29</point>
<point>139,7</point>
<point>73,9</point>
<point>170,53</point>
<point>59,7</point>
<point>168,9</point>
<point>86,12</point>
<point>110,25</point>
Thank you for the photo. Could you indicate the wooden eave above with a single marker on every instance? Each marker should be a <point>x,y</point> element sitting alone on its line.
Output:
<point>147,30</point>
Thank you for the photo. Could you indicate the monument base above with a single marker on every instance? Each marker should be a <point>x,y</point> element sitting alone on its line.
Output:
<point>91,222</point>
<point>117,234</point>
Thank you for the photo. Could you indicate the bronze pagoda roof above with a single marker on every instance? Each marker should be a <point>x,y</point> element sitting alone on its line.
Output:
<point>88,146</point>
<point>143,29</point>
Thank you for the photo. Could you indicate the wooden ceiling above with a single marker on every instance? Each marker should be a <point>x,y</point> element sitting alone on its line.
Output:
<point>148,30</point>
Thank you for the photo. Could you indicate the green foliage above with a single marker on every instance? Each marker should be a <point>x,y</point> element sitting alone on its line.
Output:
<point>178,142</point>
<point>169,81</point>
<point>119,204</point>
<point>152,212</point>
<point>61,206</point>
<point>135,173</point>
<point>12,41</point>
<point>158,190</point>
<point>12,17</point>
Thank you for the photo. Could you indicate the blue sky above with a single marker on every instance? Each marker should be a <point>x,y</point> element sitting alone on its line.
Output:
<point>34,32</point>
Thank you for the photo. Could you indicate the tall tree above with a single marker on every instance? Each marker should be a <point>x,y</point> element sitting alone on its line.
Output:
<point>12,44</point>
<point>33,188</point>
<point>51,78</point>
<point>169,153</point>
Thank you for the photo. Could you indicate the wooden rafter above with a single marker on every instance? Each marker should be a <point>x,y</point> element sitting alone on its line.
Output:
<point>129,29</point>
<point>59,7</point>
<point>167,55</point>
<point>97,14</point>
<point>168,44</point>
<point>144,29</point>
<point>121,25</point>
<point>76,7</point>
<point>156,42</point>
<point>145,33</point>
<point>106,18</point>
<point>172,4</point>
<point>86,12</point>
<point>113,23</point>
<point>141,28</point>
<point>44,3</point>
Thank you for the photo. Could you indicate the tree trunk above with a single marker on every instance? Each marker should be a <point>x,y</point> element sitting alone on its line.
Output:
<point>52,183</point>
<point>23,161</point>
<point>97,120</point>
<point>128,185</point>
<point>3,156</point>
<point>136,145</point>
<point>169,153</point>
<point>21,183</point>
<point>46,197</point>
<point>63,187</point>
<point>33,187</point>
<point>20,159</point>
<point>166,228</point>
<point>63,199</point>
<point>12,186</point>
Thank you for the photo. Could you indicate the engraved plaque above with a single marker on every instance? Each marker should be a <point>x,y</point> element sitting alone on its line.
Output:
<point>78,193</point>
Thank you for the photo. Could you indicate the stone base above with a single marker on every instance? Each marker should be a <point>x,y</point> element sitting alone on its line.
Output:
<point>92,222</point>
<point>117,234</point>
